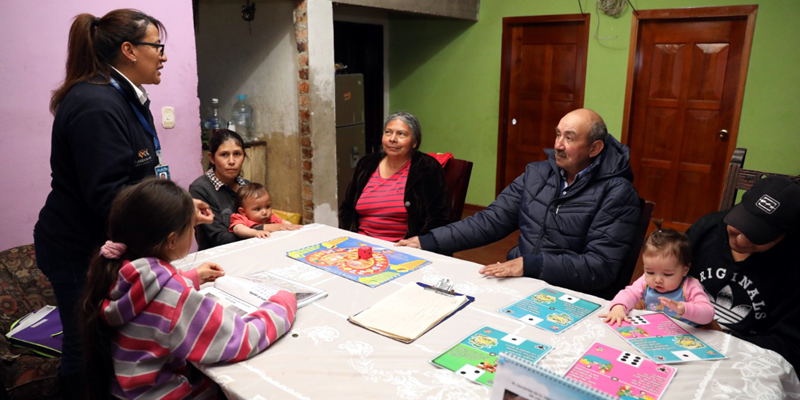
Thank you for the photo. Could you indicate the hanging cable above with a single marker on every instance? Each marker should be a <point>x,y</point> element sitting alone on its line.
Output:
<point>632,8</point>
<point>581,7</point>
<point>612,7</point>
<point>597,27</point>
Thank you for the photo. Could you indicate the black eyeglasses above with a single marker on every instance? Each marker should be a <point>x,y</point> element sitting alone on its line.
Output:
<point>160,46</point>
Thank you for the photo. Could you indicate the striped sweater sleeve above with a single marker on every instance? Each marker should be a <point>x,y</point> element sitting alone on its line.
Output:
<point>204,331</point>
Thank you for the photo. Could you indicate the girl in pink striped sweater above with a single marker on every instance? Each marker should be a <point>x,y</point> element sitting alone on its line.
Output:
<point>144,320</point>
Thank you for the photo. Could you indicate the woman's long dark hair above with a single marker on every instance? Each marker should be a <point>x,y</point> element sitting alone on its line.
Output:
<point>95,43</point>
<point>142,217</point>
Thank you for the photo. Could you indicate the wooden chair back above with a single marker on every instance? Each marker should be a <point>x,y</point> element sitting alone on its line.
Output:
<point>739,178</point>
<point>456,175</point>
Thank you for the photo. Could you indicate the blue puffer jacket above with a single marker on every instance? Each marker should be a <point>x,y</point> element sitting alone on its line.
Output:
<point>577,240</point>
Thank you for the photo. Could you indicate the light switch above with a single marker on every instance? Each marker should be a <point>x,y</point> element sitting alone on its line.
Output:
<point>167,117</point>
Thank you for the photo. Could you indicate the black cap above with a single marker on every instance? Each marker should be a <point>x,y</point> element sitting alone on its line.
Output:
<point>770,208</point>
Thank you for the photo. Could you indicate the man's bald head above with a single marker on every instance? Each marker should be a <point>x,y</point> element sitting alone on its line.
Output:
<point>597,127</point>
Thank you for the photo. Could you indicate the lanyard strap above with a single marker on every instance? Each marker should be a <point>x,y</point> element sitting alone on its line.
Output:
<point>142,120</point>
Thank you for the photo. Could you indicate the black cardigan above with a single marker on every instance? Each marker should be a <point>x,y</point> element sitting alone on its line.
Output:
<point>222,203</point>
<point>425,195</point>
<point>98,148</point>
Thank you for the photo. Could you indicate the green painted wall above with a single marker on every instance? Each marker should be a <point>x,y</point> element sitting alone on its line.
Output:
<point>448,74</point>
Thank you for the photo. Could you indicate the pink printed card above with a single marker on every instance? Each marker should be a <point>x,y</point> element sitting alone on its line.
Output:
<point>661,339</point>
<point>620,373</point>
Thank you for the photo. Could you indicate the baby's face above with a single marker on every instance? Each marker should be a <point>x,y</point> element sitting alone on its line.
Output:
<point>258,209</point>
<point>663,272</point>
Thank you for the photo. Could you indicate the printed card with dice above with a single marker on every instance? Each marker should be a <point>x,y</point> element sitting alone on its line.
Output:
<point>621,373</point>
<point>551,310</point>
<point>663,340</point>
<point>475,357</point>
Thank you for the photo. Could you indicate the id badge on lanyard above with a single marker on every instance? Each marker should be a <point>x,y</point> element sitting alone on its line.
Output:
<point>161,170</point>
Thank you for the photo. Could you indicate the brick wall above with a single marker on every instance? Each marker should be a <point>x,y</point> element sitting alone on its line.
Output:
<point>304,113</point>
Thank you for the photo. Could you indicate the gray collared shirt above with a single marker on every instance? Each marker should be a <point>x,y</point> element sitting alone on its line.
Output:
<point>565,185</point>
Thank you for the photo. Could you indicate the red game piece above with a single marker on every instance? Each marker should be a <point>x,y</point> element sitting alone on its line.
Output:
<point>365,253</point>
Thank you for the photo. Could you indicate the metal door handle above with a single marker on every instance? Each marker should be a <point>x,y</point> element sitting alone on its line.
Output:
<point>723,134</point>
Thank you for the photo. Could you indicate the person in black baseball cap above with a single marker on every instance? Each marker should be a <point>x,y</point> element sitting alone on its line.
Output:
<point>768,211</point>
<point>747,260</point>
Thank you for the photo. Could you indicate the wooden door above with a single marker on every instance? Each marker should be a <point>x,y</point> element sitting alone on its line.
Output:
<point>682,114</point>
<point>542,78</point>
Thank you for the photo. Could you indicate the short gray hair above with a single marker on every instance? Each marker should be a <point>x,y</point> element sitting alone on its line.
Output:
<point>597,131</point>
<point>410,120</point>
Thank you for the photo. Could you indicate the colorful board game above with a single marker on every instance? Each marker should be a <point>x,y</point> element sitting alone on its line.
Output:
<point>620,373</point>
<point>475,357</point>
<point>550,310</point>
<point>661,339</point>
<point>358,261</point>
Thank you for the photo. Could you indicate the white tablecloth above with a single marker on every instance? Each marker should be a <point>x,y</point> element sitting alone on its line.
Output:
<point>326,357</point>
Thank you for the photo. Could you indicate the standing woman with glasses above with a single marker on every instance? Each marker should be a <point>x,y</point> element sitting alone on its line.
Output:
<point>398,192</point>
<point>103,140</point>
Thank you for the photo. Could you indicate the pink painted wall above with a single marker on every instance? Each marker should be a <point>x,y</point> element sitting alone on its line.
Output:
<point>32,56</point>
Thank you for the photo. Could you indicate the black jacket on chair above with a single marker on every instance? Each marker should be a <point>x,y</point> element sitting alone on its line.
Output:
<point>425,195</point>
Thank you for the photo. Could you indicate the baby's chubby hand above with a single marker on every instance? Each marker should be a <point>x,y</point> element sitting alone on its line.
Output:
<point>616,315</point>
<point>209,272</point>
<point>677,306</point>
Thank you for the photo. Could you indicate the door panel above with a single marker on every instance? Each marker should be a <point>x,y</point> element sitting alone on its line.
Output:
<point>543,73</point>
<point>687,80</point>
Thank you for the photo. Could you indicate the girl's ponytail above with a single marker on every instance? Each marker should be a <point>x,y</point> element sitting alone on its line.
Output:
<point>96,334</point>
<point>95,43</point>
<point>141,219</point>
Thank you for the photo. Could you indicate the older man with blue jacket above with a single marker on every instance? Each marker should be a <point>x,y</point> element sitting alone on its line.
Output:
<point>577,213</point>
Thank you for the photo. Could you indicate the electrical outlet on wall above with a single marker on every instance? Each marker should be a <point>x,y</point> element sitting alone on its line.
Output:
<point>167,117</point>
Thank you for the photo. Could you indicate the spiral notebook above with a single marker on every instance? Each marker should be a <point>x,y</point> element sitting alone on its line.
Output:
<point>519,379</point>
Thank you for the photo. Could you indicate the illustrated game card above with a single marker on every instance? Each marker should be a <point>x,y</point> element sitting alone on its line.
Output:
<point>475,357</point>
<point>661,339</point>
<point>620,373</point>
<point>550,310</point>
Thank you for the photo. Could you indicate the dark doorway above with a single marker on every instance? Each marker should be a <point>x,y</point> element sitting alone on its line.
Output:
<point>360,48</point>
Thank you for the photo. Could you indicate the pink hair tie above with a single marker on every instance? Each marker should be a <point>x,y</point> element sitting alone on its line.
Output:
<point>112,250</point>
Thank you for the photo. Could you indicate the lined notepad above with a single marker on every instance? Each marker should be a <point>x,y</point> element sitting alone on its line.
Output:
<point>409,312</point>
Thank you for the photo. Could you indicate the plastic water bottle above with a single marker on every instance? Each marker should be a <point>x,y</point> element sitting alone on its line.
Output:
<point>242,117</point>
<point>214,121</point>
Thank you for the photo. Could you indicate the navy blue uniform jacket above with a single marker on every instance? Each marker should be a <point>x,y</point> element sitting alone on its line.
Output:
<point>98,148</point>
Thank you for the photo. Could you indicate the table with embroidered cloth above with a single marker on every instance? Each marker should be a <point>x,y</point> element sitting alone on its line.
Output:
<point>326,357</point>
